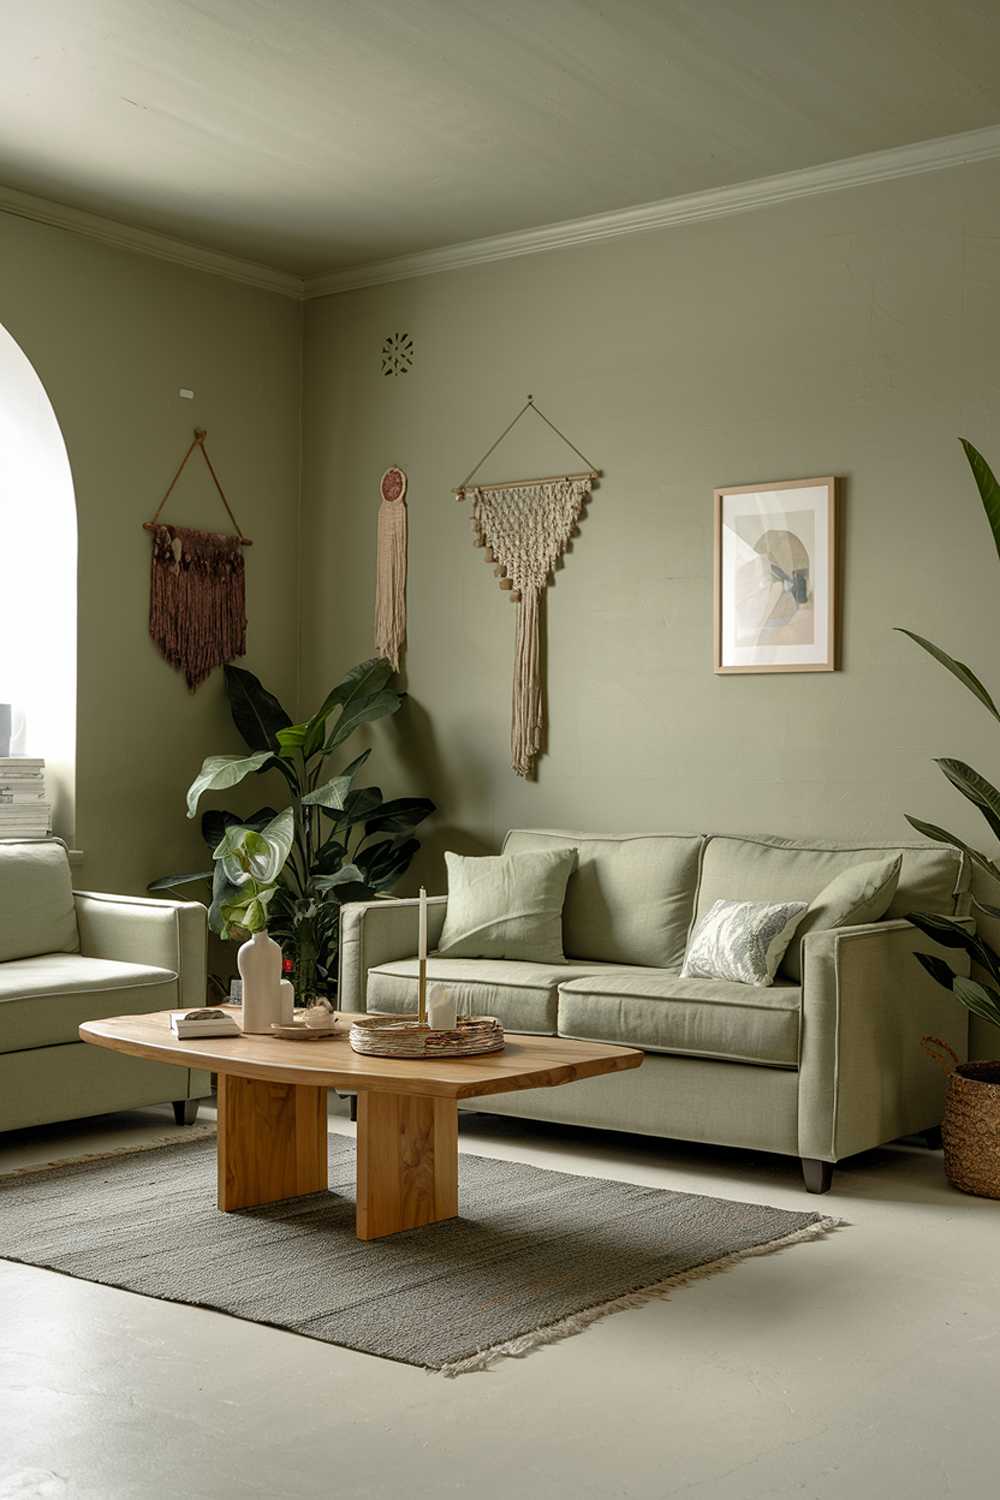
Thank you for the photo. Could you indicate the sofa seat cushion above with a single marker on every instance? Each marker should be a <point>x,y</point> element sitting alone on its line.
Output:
<point>44,1000</point>
<point>659,1012</point>
<point>521,995</point>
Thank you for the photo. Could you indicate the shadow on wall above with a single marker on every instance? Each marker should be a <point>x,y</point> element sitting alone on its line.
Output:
<point>415,745</point>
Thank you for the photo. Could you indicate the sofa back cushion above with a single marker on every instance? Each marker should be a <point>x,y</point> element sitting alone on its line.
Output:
<point>37,913</point>
<point>630,899</point>
<point>932,877</point>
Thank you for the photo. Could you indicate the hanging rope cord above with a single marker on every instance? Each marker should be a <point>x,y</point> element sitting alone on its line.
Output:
<point>198,441</point>
<point>530,403</point>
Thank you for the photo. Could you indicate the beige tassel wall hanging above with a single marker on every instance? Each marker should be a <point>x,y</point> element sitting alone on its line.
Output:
<point>197,589</point>
<point>390,567</point>
<point>525,525</point>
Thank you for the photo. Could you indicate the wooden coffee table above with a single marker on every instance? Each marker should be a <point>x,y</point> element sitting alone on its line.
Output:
<point>272,1141</point>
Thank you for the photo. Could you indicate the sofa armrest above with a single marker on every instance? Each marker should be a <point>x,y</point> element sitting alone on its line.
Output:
<point>377,932</point>
<point>138,930</point>
<point>866,1002</point>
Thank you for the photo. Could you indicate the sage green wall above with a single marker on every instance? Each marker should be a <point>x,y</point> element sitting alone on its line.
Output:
<point>855,334</point>
<point>113,337</point>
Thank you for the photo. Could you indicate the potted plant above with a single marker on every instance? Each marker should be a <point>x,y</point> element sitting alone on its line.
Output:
<point>344,842</point>
<point>971,1125</point>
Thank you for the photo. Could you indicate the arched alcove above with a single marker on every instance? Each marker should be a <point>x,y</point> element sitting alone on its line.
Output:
<point>38,592</point>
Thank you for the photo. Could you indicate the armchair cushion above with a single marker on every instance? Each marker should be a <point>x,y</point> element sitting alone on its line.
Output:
<point>44,999</point>
<point>712,1018</point>
<point>37,914</point>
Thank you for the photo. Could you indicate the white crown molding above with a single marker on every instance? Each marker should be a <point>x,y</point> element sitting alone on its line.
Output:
<point>149,242</point>
<point>691,208</point>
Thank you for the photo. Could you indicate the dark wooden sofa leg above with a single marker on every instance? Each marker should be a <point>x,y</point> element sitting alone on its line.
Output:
<point>932,1138</point>
<point>185,1111</point>
<point>818,1174</point>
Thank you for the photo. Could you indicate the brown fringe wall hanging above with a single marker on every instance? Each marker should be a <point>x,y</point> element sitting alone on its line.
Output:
<point>525,526</point>
<point>197,592</point>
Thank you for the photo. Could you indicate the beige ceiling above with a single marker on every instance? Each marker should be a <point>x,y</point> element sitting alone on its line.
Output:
<point>314,135</point>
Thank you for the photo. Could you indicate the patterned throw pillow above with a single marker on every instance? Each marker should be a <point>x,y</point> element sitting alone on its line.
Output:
<point>742,940</point>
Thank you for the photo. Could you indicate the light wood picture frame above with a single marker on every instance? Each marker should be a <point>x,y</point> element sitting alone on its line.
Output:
<point>775,576</point>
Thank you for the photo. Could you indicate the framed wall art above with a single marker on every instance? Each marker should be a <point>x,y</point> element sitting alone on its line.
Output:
<point>775,576</point>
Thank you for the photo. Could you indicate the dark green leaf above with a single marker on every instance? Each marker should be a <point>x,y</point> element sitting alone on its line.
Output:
<point>358,808</point>
<point>356,764</point>
<point>989,489</point>
<point>942,836</point>
<point>356,713</point>
<point>330,858</point>
<point>219,772</point>
<point>215,822</point>
<point>936,967</point>
<point>965,675</point>
<point>363,681</point>
<point>169,882</point>
<point>382,864</point>
<point>256,713</point>
<point>355,890</point>
<point>982,999</point>
<point>952,935</point>
<point>400,815</point>
<point>976,788</point>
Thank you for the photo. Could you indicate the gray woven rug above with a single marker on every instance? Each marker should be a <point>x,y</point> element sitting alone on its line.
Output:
<point>536,1255</point>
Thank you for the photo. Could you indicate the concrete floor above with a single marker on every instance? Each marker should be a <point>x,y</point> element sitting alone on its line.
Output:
<point>866,1364</point>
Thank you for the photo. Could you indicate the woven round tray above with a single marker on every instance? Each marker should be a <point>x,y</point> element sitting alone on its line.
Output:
<point>401,1036</point>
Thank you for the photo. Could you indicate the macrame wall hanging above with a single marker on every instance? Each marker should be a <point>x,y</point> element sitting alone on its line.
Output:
<point>197,593</point>
<point>390,567</point>
<point>525,525</point>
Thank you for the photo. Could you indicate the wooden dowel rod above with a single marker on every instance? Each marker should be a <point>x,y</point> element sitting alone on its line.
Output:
<point>245,541</point>
<point>515,484</point>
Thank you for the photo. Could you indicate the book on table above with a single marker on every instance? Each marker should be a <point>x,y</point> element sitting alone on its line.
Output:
<point>186,1025</point>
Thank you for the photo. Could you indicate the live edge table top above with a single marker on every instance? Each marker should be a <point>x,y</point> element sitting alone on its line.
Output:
<point>527,1062</point>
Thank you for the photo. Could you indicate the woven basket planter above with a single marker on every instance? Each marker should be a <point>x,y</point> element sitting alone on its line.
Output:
<point>971,1129</point>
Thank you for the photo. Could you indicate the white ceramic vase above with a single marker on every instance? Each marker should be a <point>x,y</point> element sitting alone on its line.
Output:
<point>259,963</point>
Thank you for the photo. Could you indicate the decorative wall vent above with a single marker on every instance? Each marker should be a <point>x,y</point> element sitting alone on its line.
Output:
<point>397,354</point>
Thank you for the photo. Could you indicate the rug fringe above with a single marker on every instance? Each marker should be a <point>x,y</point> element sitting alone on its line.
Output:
<point>191,1134</point>
<point>554,1333</point>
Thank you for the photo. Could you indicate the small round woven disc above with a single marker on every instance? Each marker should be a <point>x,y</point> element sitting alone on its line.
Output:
<point>392,485</point>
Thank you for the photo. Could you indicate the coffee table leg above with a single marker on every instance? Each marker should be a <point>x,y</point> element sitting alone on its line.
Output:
<point>272,1141</point>
<point>407,1162</point>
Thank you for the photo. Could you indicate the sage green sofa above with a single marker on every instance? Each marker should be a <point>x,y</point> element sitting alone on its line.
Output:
<point>68,957</point>
<point>820,1069</point>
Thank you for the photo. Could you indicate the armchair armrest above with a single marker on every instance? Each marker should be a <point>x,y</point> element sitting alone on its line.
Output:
<point>866,1002</point>
<point>376,932</point>
<point>138,930</point>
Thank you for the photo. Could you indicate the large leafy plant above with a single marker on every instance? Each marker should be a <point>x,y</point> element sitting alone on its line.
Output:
<point>980,995</point>
<point>335,842</point>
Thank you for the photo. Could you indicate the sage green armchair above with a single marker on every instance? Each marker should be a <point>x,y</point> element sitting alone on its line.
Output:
<point>68,957</point>
<point>819,1067</point>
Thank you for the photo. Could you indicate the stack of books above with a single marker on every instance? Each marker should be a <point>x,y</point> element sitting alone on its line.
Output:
<point>25,811</point>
